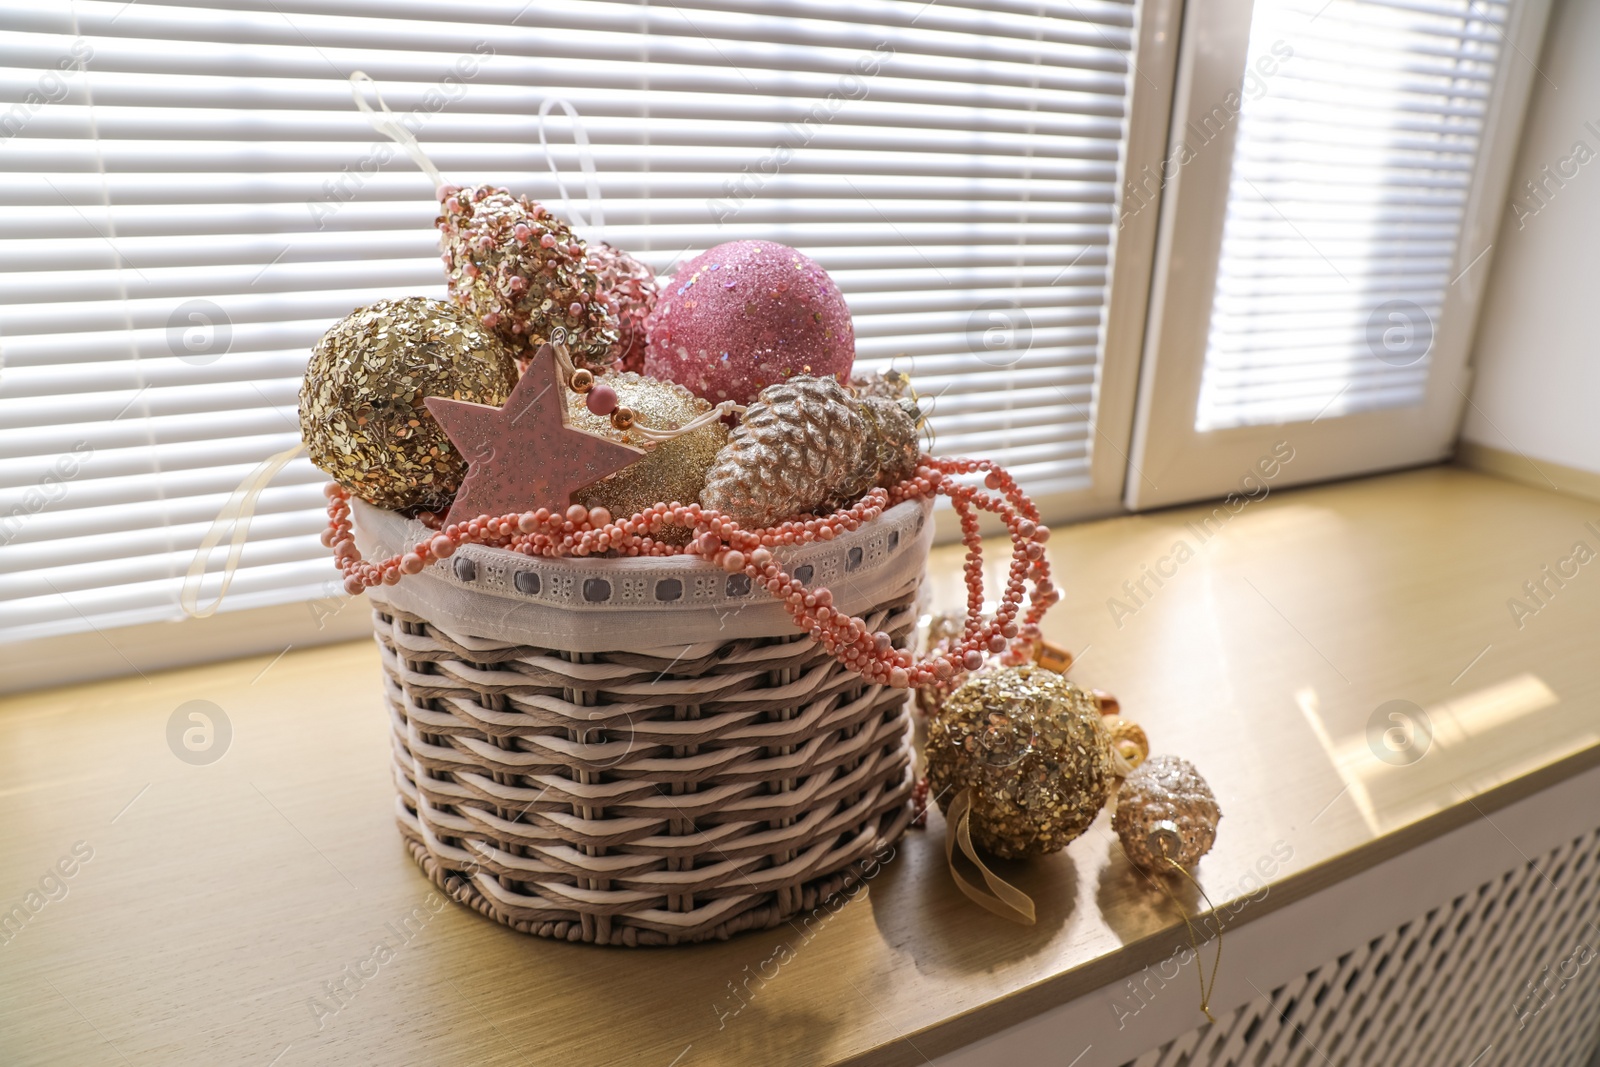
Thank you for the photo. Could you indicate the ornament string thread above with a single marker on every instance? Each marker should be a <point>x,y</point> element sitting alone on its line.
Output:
<point>1002,898</point>
<point>385,123</point>
<point>653,434</point>
<point>580,140</point>
<point>727,407</point>
<point>234,520</point>
<point>1207,985</point>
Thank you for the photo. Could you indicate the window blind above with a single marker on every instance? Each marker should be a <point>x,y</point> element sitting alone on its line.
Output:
<point>189,198</point>
<point>1352,169</point>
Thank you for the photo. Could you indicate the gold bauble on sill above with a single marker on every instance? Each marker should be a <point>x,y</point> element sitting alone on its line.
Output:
<point>1030,748</point>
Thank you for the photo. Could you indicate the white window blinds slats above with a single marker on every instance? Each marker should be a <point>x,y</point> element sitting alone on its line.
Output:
<point>1351,175</point>
<point>214,155</point>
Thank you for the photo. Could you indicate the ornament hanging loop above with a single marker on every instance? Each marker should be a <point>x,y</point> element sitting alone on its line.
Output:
<point>386,123</point>
<point>580,140</point>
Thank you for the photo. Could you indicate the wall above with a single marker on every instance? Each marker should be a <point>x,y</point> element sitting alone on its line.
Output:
<point>1536,394</point>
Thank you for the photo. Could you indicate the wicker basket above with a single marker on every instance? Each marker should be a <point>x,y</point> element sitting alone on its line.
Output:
<point>642,751</point>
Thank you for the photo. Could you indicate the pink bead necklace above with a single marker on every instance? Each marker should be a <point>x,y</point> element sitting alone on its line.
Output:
<point>581,531</point>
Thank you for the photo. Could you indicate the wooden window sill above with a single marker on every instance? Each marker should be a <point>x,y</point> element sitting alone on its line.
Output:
<point>225,907</point>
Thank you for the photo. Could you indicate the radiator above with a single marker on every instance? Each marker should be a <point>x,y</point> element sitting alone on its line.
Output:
<point>1506,975</point>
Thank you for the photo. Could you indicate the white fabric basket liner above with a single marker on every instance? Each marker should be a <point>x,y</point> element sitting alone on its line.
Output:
<point>641,603</point>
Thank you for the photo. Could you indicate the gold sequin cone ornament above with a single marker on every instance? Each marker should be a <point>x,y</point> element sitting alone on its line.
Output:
<point>1029,749</point>
<point>629,289</point>
<point>522,272</point>
<point>673,471</point>
<point>806,446</point>
<point>1166,811</point>
<point>361,402</point>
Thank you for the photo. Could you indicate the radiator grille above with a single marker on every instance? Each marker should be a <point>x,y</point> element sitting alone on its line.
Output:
<point>1504,976</point>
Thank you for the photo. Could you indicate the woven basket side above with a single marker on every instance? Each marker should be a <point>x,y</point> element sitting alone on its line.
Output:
<point>634,798</point>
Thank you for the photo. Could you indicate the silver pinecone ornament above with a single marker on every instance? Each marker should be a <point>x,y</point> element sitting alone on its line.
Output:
<point>806,445</point>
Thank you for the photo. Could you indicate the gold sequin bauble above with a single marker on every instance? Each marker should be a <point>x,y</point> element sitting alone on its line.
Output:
<point>1166,810</point>
<point>674,471</point>
<point>361,403</point>
<point>523,273</point>
<point>1030,748</point>
<point>629,289</point>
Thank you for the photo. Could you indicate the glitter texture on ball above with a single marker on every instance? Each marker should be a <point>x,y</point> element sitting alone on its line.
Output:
<point>1165,810</point>
<point>361,403</point>
<point>746,315</point>
<point>674,471</point>
<point>1031,749</point>
<point>629,289</point>
<point>522,273</point>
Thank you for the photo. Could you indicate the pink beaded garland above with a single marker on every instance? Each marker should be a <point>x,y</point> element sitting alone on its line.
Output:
<point>745,315</point>
<point>582,532</point>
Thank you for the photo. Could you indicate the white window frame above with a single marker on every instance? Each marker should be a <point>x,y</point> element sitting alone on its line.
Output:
<point>1171,462</point>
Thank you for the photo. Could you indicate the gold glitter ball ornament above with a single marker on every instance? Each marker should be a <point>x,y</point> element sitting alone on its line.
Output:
<point>361,403</point>
<point>1030,748</point>
<point>523,273</point>
<point>674,471</point>
<point>1165,810</point>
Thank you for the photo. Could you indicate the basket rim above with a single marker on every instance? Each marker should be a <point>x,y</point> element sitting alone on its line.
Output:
<point>595,604</point>
<point>789,554</point>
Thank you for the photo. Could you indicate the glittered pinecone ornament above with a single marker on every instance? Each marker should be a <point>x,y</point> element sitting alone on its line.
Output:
<point>1166,811</point>
<point>629,289</point>
<point>672,471</point>
<point>361,402</point>
<point>1029,749</point>
<point>522,273</point>
<point>806,445</point>
<point>894,427</point>
<point>887,384</point>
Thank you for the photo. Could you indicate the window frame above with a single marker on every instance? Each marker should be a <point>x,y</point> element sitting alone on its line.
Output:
<point>1173,463</point>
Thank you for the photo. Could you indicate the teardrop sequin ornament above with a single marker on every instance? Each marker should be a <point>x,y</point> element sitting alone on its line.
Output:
<point>523,274</point>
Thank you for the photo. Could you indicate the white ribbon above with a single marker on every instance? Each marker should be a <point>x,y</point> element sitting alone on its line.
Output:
<point>234,519</point>
<point>580,138</point>
<point>385,123</point>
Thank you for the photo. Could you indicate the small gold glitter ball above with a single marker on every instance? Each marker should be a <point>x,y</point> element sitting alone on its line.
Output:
<point>1165,810</point>
<point>361,403</point>
<point>673,471</point>
<point>1030,747</point>
<point>1128,739</point>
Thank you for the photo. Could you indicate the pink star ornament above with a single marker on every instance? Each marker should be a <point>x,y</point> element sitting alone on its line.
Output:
<point>524,455</point>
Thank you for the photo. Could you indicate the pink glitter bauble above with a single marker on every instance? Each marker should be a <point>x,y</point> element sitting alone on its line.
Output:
<point>746,315</point>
